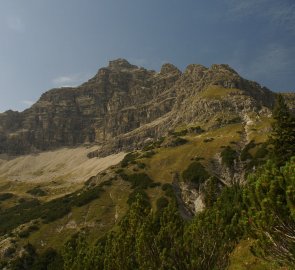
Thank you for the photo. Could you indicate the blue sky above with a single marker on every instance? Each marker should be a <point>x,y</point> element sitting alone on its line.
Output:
<point>52,43</point>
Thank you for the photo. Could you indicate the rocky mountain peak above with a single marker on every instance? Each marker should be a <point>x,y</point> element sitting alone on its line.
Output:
<point>126,104</point>
<point>195,68</point>
<point>195,71</point>
<point>223,67</point>
<point>169,68</point>
<point>120,63</point>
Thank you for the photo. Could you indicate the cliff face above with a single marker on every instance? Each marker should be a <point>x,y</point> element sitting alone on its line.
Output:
<point>123,104</point>
<point>118,99</point>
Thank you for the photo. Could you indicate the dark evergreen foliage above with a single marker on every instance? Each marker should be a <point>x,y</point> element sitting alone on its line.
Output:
<point>138,180</point>
<point>162,203</point>
<point>228,156</point>
<point>282,137</point>
<point>36,191</point>
<point>211,191</point>
<point>270,216</point>
<point>245,152</point>
<point>138,192</point>
<point>195,173</point>
<point>129,158</point>
<point>163,240</point>
<point>5,196</point>
<point>169,192</point>
<point>179,141</point>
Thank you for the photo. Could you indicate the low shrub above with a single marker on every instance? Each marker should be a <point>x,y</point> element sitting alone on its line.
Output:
<point>196,130</point>
<point>155,184</point>
<point>25,233</point>
<point>149,154</point>
<point>87,196</point>
<point>130,157</point>
<point>196,158</point>
<point>245,152</point>
<point>132,196</point>
<point>178,141</point>
<point>234,120</point>
<point>166,187</point>
<point>5,196</point>
<point>228,156</point>
<point>37,191</point>
<point>162,203</point>
<point>182,132</point>
<point>148,147</point>
<point>118,171</point>
<point>138,180</point>
<point>262,151</point>
<point>195,173</point>
<point>141,165</point>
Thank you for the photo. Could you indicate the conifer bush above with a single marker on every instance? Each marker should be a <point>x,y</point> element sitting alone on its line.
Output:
<point>195,173</point>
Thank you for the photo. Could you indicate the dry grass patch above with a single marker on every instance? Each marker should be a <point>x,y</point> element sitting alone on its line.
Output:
<point>260,130</point>
<point>218,92</point>
<point>175,159</point>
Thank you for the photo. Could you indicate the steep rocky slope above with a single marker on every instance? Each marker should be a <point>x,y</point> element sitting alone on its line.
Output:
<point>118,99</point>
<point>122,105</point>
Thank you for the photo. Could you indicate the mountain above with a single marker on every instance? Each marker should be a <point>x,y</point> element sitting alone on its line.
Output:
<point>122,105</point>
<point>76,160</point>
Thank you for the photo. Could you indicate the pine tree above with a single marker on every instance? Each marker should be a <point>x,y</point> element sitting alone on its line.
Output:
<point>270,199</point>
<point>76,253</point>
<point>282,137</point>
<point>120,249</point>
<point>213,233</point>
<point>169,239</point>
<point>147,251</point>
<point>211,191</point>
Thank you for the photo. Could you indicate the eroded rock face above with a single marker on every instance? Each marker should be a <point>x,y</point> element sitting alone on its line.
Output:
<point>118,99</point>
<point>123,104</point>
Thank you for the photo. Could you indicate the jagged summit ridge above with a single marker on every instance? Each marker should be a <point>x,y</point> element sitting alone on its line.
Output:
<point>124,104</point>
<point>169,68</point>
<point>121,63</point>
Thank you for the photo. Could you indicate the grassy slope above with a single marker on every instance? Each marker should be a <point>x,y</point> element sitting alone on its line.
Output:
<point>103,213</point>
<point>98,216</point>
<point>172,159</point>
<point>175,159</point>
<point>218,92</point>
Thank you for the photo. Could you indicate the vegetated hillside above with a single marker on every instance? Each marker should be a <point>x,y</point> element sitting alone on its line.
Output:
<point>181,182</point>
<point>158,170</point>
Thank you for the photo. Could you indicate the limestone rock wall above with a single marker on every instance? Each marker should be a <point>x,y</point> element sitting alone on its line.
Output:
<point>123,104</point>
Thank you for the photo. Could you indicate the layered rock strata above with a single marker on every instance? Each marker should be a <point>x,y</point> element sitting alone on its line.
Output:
<point>123,105</point>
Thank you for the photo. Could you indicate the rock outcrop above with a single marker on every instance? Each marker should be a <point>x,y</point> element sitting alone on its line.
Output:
<point>123,104</point>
